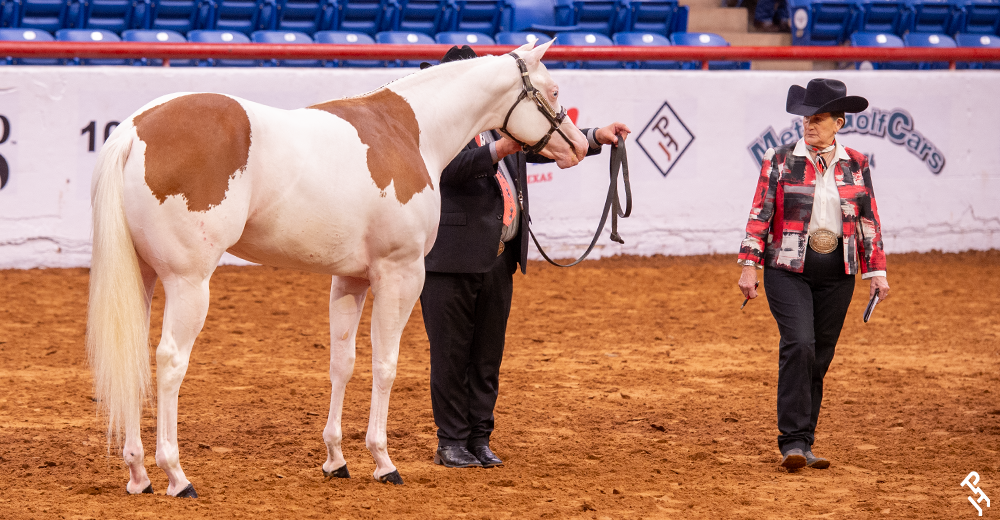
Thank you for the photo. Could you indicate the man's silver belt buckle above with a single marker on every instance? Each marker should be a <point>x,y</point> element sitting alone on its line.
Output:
<point>500,251</point>
<point>823,241</point>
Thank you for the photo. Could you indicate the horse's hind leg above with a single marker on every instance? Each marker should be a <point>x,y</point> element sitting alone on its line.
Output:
<point>347,299</point>
<point>183,318</point>
<point>132,452</point>
<point>395,289</point>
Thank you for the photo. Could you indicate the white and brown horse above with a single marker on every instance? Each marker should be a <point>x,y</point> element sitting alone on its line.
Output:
<point>347,188</point>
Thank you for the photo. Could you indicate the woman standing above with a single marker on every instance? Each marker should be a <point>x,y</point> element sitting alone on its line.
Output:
<point>813,225</point>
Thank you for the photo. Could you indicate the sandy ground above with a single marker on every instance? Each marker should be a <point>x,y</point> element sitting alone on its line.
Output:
<point>631,388</point>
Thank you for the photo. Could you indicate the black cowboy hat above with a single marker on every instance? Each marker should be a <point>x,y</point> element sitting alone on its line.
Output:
<point>820,96</point>
<point>454,54</point>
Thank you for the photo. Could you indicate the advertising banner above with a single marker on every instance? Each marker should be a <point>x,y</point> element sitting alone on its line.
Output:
<point>694,154</point>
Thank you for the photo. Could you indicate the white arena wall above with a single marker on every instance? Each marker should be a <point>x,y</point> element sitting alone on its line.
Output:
<point>933,138</point>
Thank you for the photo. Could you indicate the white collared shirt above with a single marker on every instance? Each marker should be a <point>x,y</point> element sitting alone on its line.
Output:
<point>826,212</point>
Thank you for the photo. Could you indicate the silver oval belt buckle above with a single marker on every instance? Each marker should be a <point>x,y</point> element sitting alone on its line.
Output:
<point>823,241</point>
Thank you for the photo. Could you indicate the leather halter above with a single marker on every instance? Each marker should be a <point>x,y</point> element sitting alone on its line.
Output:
<point>555,119</point>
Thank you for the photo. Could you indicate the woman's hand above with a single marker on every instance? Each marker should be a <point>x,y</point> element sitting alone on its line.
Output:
<point>748,281</point>
<point>881,285</point>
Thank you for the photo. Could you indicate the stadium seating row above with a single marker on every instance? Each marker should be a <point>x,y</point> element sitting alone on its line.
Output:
<point>831,22</point>
<point>370,17</point>
<point>915,39</point>
<point>388,37</point>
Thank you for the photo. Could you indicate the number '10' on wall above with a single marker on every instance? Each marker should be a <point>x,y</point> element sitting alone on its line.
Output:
<point>91,131</point>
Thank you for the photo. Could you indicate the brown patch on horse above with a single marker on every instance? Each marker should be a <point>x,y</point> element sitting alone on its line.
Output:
<point>386,123</point>
<point>194,145</point>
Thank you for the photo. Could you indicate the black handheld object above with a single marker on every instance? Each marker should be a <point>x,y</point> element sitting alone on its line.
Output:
<point>871,306</point>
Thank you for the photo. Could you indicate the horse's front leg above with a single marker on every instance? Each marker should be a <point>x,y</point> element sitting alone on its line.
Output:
<point>347,299</point>
<point>395,290</point>
<point>183,318</point>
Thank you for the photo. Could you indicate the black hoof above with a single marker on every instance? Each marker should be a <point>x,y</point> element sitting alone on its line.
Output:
<point>391,478</point>
<point>340,472</point>
<point>188,492</point>
<point>147,491</point>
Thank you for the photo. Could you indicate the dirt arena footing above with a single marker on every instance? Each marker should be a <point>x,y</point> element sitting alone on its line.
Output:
<point>631,388</point>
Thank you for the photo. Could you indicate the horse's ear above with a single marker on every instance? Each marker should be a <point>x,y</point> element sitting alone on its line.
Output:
<point>535,55</point>
<point>525,48</point>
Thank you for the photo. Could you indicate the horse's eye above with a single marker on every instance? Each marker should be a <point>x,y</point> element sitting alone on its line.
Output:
<point>555,94</point>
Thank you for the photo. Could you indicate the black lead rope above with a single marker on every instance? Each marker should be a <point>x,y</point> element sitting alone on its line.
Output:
<point>619,161</point>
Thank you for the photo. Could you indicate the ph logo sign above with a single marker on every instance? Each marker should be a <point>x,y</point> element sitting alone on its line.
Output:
<point>665,139</point>
<point>972,480</point>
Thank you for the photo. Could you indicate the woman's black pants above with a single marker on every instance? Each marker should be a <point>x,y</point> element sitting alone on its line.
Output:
<point>810,308</point>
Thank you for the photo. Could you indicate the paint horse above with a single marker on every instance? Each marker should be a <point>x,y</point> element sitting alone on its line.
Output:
<point>346,187</point>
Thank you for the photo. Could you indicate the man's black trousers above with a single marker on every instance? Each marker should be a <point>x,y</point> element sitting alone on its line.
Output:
<point>466,319</point>
<point>810,308</point>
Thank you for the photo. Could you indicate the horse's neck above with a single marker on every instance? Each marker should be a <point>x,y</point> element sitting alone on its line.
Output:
<point>453,103</point>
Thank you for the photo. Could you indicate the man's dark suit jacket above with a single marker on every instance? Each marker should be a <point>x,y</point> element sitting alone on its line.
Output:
<point>472,211</point>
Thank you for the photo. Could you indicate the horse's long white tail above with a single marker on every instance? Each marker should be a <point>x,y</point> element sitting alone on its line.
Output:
<point>117,321</point>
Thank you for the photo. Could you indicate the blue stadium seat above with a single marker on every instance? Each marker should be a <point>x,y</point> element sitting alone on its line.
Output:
<point>308,16</point>
<point>525,14</point>
<point>152,35</point>
<point>367,16</point>
<point>229,37</point>
<point>978,40</point>
<point>645,40</point>
<point>346,38</point>
<point>404,38</point>
<point>587,39</point>
<point>181,16</point>
<point>707,40</point>
<point>284,37</point>
<point>26,35</point>
<point>884,16</point>
<point>481,16</point>
<point>114,15</point>
<point>939,16</point>
<point>930,40</point>
<point>657,16</point>
<point>425,16</point>
<point>47,15</point>
<point>863,39</point>
<point>463,38</point>
<point>245,16</point>
<point>822,22</point>
<point>89,35</point>
<point>594,16</point>
<point>981,17</point>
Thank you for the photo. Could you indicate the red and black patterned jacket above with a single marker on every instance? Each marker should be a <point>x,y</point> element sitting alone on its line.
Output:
<point>777,233</point>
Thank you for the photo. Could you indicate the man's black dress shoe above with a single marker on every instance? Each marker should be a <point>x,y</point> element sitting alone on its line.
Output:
<point>456,457</point>
<point>486,456</point>
<point>793,459</point>
<point>816,462</point>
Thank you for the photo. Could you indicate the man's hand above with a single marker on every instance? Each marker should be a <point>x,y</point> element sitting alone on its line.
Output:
<point>748,282</point>
<point>606,135</point>
<point>506,146</point>
<point>881,285</point>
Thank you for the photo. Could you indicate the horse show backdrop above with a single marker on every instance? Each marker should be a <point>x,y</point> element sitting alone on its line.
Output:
<point>694,154</point>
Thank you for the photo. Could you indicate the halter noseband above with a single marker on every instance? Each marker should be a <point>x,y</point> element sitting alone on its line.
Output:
<point>555,119</point>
